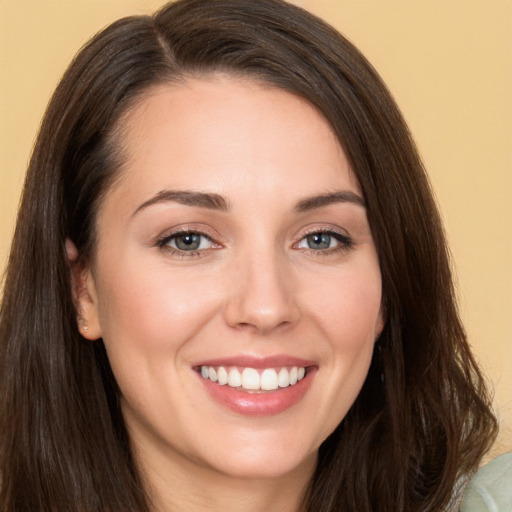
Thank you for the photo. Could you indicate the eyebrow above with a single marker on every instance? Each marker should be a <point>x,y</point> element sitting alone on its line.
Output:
<point>213,201</point>
<point>188,198</point>
<point>318,201</point>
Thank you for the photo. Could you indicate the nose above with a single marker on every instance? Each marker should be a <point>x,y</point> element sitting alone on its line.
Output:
<point>263,296</point>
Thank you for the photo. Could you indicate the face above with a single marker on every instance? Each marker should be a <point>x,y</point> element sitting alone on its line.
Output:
<point>235,282</point>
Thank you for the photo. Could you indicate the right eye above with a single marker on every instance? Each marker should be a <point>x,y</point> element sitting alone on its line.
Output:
<point>186,241</point>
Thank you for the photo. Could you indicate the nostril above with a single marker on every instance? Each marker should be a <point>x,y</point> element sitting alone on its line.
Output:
<point>262,327</point>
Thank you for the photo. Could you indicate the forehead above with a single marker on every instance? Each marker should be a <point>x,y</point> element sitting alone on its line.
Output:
<point>221,132</point>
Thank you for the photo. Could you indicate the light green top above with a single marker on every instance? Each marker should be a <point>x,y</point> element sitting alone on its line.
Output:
<point>490,490</point>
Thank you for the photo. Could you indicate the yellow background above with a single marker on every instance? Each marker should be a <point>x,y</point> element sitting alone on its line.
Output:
<point>448,64</point>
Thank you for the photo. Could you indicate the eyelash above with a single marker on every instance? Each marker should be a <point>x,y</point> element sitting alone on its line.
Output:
<point>345,243</point>
<point>163,244</point>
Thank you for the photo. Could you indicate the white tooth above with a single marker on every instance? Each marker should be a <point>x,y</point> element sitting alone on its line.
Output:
<point>204,371</point>
<point>234,378</point>
<point>212,374</point>
<point>301,373</point>
<point>269,379</point>
<point>293,376</point>
<point>222,376</point>
<point>283,379</point>
<point>250,379</point>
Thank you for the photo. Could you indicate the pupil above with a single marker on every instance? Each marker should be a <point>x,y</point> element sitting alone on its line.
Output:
<point>319,241</point>
<point>188,241</point>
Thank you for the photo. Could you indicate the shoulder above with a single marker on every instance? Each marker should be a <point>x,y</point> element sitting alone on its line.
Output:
<point>490,490</point>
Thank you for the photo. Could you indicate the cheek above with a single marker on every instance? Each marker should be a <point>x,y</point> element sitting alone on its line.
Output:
<point>348,308</point>
<point>152,308</point>
<point>148,315</point>
<point>349,314</point>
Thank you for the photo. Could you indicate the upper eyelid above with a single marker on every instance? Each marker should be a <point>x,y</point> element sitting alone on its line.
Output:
<point>183,230</point>
<point>323,229</point>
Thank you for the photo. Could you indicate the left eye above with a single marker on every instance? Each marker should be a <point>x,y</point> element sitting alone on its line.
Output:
<point>188,241</point>
<point>319,241</point>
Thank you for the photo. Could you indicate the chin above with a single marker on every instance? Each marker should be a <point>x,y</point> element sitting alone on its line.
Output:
<point>256,462</point>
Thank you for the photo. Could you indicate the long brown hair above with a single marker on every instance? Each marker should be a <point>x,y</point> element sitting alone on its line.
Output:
<point>422,420</point>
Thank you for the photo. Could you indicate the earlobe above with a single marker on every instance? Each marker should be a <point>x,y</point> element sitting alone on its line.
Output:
<point>84,294</point>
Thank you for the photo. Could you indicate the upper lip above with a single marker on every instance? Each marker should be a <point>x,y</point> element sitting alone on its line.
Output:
<point>257,362</point>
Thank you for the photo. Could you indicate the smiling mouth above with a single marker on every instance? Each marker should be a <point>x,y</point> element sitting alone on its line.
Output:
<point>253,380</point>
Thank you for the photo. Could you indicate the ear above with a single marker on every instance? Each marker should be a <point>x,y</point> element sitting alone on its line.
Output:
<point>84,294</point>
<point>381,322</point>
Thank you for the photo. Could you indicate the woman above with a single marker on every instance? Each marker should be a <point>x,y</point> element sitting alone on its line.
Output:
<point>229,285</point>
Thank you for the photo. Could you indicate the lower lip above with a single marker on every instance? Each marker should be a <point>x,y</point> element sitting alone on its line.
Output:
<point>259,404</point>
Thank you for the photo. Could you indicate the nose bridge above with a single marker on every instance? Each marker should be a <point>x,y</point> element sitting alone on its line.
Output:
<point>262,296</point>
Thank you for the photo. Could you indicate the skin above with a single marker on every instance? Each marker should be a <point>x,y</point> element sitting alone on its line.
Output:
<point>255,287</point>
